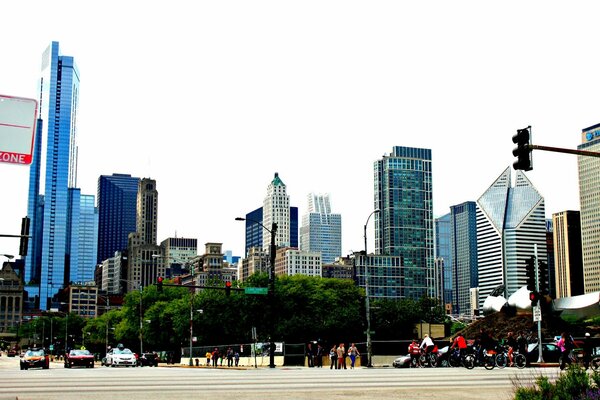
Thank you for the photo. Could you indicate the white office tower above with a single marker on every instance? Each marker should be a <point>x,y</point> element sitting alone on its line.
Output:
<point>276,208</point>
<point>589,195</point>
<point>321,231</point>
<point>510,221</point>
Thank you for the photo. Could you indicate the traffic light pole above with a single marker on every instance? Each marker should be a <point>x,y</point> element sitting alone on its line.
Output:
<point>537,289</point>
<point>561,150</point>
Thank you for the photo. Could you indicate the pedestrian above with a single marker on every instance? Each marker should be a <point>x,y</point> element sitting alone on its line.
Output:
<point>415,352</point>
<point>230,357</point>
<point>341,355</point>
<point>309,355</point>
<point>522,345</point>
<point>565,344</point>
<point>215,357</point>
<point>208,356</point>
<point>319,356</point>
<point>353,353</point>
<point>236,356</point>
<point>333,357</point>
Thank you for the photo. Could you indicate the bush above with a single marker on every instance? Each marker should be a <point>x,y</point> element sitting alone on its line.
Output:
<point>575,383</point>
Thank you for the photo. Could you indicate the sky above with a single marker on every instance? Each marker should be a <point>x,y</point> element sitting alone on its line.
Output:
<point>211,98</point>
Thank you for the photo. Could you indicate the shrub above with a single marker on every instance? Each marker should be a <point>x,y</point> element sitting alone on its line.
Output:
<point>574,383</point>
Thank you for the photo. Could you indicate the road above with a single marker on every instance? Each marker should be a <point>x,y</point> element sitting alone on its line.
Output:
<point>263,383</point>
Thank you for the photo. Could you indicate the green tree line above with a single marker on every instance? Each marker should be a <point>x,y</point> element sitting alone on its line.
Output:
<point>304,309</point>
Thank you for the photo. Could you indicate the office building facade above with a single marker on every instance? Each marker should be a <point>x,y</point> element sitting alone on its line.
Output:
<point>463,246</point>
<point>589,193</point>
<point>443,259</point>
<point>54,170</point>
<point>510,225</point>
<point>568,263</point>
<point>117,204</point>
<point>404,225</point>
<point>321,230</point>
<point>276,209</point>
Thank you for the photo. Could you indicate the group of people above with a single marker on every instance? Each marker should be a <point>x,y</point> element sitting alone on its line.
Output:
<point>337,356</point>
<point>232,356</point>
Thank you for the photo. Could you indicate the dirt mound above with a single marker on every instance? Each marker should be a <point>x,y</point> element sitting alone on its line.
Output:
<point>500,323</point>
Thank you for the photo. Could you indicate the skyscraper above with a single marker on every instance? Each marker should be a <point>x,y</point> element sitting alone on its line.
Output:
<point>55,171</point>
<point>568,267</point>
<point>82,235</point>
<point>255,232</point>
<point>404,225</point>
<point>443,253</point>
<point>147,211</point>
<point>510,222</point>
<point>117,197</point>
<point>463,246</point>
<point>276,209</point>
<point>589,193</point>
<point>321,230</point>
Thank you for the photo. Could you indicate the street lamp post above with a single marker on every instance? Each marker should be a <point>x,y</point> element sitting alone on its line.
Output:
<point>367,301</point>
<point>271,292</point>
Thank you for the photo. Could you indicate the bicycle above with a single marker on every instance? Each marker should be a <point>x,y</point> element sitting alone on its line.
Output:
<point>428,359</point>
<point>456,359</point>
<point>502,359</point>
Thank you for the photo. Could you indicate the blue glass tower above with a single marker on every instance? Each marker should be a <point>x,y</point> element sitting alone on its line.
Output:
<point>117,197</point>
<point>56,172</point>
<point>463,221</point>
<point>404,225</point>
<point>443,251</point>
<point>254,232</point>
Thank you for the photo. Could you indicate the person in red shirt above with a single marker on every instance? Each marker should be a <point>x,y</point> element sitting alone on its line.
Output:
<point>461,343</point>
<point>415,351</point>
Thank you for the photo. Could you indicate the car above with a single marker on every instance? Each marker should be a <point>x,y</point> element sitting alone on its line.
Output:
<point>550,352</point>
<point>148,359</point>
<point>120,356</point>
<point>35,358</point>
<point>402,362</point>
<point>81,358</point>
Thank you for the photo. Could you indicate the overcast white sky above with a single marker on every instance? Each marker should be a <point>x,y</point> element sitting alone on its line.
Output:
<point>211,98</point>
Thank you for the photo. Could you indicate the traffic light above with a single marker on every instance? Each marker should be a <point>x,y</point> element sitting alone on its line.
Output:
<point>227,288</point>
<point>523,152</point>
<point>24,236</point>
<point>159,286</point>
<point>544,284</point>
<point>535,298</point>
<point>530,271</point>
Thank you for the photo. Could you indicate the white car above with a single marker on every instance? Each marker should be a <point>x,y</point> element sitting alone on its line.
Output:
<point>120,356</point>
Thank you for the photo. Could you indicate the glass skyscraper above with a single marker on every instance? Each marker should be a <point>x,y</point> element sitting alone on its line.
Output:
<point>55,171</point>
<point>117,202</point>
<point>321,229</point>
<point>463,246</point>
<point>404,225</point>
<point>443,251</point>
<point>510,223</point>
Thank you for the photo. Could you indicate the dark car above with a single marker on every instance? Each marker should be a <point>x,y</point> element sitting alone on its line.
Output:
<point>82,358</point>
<point>35,358</point>
<point>148,359</point>
<point>550,352</point>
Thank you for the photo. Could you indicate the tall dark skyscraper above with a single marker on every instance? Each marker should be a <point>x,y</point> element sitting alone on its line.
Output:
<point>56,171</point>
<point>117,197</point>
<point>404,225</point>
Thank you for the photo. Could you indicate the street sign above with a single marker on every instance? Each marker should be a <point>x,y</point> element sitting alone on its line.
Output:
<point>256,290</point>
<point>537,313</point>
<point>17,129</point>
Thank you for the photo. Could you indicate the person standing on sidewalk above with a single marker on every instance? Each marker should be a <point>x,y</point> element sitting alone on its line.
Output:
<point>353,353</point>
<point>333,357</point>
<point>319,356</point>
<point>341,355</point>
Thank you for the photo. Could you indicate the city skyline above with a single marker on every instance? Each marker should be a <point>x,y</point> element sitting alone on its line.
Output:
<point>316,93</point>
